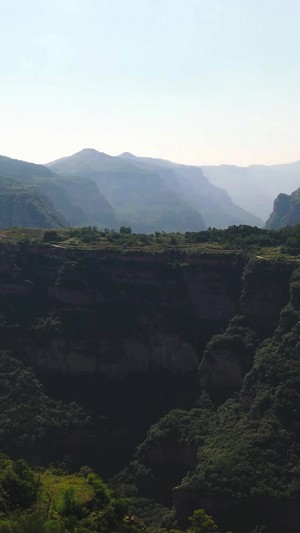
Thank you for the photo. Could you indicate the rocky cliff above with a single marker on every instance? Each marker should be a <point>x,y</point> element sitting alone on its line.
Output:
<point>117,315</point>
<point>286,211</point>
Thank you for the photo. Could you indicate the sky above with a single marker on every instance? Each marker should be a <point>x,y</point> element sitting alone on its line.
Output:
<point>201,82</point>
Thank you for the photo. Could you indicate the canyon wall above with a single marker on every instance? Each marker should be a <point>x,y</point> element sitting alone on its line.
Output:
<point>102,313</point>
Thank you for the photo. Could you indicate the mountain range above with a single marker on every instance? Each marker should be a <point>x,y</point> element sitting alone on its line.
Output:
<point>255,187</point>
<point>93,188</point>
<point>150,194</point>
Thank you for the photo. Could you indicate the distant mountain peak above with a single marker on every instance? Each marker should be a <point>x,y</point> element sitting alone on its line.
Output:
<point>128,155</point>
<point>85,156</point>
<point>90,151</point>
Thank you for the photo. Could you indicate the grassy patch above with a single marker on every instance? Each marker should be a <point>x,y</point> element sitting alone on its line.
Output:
<point>52,487</point>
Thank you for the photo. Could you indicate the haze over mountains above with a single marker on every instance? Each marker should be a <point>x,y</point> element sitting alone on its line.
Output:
<point>35,196</point>
<point>150,194</point>
<point>147,194</point>
<point>255,187</point>
<point>214,203</point>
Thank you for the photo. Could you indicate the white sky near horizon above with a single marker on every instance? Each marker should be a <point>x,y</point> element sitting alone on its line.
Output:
<point>194,81</point>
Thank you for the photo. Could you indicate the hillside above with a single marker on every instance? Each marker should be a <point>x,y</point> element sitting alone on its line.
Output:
<point>21,169</point>
<point>34,196</point>
<point>25,206</point>
<point>79,200</point>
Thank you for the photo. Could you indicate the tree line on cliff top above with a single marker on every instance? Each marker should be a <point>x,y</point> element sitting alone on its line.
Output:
<point>248,239</point>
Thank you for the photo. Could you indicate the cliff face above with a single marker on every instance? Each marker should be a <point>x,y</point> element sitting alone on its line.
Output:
<point>92,313</point>
<point>28,209</point>
<point>265,290</point>
<point>80,202</point>
<point>286,211</point>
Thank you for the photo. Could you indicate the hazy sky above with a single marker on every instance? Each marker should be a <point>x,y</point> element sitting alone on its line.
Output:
<point>194,81</point>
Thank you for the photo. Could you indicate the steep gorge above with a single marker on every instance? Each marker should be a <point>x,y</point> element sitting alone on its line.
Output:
<point>131,336</point>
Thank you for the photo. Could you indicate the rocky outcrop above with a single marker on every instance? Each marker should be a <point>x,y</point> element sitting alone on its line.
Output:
<point>226,360</point>
<point>115,358</point>
<point>265,291</point>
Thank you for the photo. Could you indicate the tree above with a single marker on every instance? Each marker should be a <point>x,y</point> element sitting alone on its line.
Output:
<point>69,505</point>
<point>202,523</point>
<point>50,235</point>
<point>125,229</point>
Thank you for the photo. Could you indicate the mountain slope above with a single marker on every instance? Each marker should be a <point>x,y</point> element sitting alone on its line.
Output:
<point>27,208</point>
<point>80,201</point>
<point>21,169</point>
<point>68,201</point>
<point>140,196</point>
<point>216,207</point>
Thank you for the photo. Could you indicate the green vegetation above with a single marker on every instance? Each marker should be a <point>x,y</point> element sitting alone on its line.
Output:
<point>248,448</point>
<point>253,450</point>
<point>52,501</point>
<point>29,419</point>
<point>244,450</point>
<point>202,523</point>
<point>250,241</point>
<point>25,206</point>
